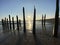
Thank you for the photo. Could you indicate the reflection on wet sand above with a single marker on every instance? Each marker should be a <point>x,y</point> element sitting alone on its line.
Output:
<point>29,24</point>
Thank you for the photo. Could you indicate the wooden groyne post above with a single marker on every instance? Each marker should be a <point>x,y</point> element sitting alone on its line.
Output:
<point>44,19</point>
<point>20,23</point>
<point>56,19</point>
<point>34,20</point>
<point>24,20</point>
<point>3,24</point>
<point>13,23</point>
<point>9,22</point>
<point>7,25</point>
<point>17,23</point>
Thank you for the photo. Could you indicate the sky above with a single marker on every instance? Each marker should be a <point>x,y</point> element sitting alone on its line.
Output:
<point>14,7</point>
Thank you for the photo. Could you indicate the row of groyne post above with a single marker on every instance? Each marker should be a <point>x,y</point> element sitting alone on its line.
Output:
<point>7,24</point>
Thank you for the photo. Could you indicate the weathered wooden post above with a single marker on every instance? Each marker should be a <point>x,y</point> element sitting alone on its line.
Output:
<point>44,19</point>
<point>7,25</point>
<point>13,23</point>
<point>24,20</point>
<point>56,19</point>
<point>20,23</point>
<point>34,20</point>
<point>9,22</point>
<point>17,23</point>
<point>3,24</point>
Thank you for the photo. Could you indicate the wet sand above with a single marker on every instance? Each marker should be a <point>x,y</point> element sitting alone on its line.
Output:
<point>43,36</point>
<point>19,38</point>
